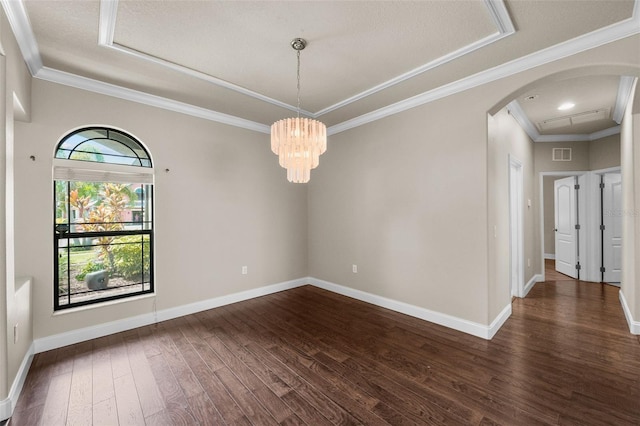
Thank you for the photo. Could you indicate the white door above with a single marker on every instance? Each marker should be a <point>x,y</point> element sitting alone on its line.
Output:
<point>566,215</point>
<point>612,234</point>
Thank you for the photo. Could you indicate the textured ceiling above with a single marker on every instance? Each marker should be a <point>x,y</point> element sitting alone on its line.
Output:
<point>234,57</point>
<point>589,94</point>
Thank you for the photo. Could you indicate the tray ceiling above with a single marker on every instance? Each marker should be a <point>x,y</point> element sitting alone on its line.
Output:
<point>234,58</point>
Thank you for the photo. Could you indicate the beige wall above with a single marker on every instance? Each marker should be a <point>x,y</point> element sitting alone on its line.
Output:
<point>507,139</point>
<point>15,300</point>
<point>224,203</point>
<point>405,199</point>
<point>604,153</point>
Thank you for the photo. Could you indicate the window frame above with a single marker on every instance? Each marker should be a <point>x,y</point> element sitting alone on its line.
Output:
<point>66,170</point>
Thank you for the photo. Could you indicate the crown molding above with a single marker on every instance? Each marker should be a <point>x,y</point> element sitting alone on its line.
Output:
<point>21,26</point>
<point>615,130</point>
<point>72,80</point>
<point>500,16</point>
<point>107,21</point>
<point>519,115</point>
<point>624,93</point>
<point>530,129</point>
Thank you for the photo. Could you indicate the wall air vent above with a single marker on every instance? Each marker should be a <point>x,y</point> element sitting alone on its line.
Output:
<point>561,154</point>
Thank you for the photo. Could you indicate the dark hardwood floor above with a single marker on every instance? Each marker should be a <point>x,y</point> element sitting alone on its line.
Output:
<point>307,356</point>
<point>551,274</point>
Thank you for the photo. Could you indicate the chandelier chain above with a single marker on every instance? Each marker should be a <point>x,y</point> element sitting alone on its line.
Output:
<point>298,52</point>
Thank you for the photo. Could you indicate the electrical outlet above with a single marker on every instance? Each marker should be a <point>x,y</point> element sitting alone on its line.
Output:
<point>15,334</point>
<point>529,263</point>
<point>354,268</point>
<point>245,270</point>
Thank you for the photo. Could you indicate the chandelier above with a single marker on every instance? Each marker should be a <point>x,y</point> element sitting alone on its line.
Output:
<point>298,141</point>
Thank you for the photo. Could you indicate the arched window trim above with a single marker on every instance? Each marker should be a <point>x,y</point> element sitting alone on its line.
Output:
<point>108,130</point>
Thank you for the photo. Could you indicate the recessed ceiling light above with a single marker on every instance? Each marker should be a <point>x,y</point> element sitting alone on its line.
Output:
<point>565,106</point>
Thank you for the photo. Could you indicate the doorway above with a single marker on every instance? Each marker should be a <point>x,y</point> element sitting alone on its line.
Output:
<point>564,237</point>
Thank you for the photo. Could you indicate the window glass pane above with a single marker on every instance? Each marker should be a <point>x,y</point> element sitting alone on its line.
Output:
<point>62,153</point>
<point>62,213</point>
<point>105,206</point>
<point>63,276</point>
<point>72,141</point>
<point>85,156</point>
<point>146,256</point>
<point>103,267</point>
<point>132,144</point>
<point>106,146</point>
<point>103,146</point>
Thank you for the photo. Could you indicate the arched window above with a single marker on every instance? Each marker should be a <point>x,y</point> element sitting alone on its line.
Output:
<point>103,211</point>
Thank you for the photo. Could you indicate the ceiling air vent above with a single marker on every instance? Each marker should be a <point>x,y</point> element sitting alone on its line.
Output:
<point>586,117</point>
<point>561,154</point>
<point>554,123</point>
<point>572,120</point>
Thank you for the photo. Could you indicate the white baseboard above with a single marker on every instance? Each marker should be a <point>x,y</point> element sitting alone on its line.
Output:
<point>498,322</point>
<point>460,324</point>
<point>528,286</point>
<point>100,330</point>
<point>88,333</point>
<point>550,256</point>
<point>634,326</point>
<point>9,404</point>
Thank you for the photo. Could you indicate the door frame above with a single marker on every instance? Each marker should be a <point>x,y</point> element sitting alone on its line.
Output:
<point>516,227</point>
<point>585,201</point>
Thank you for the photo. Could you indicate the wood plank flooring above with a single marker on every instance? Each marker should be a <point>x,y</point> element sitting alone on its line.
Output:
<point>551,274</point>
<point>307,356</point>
